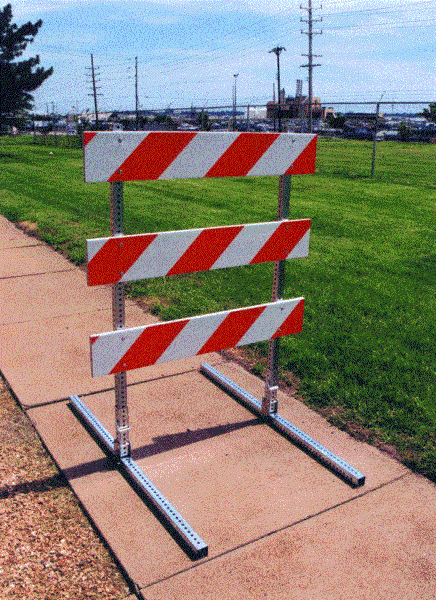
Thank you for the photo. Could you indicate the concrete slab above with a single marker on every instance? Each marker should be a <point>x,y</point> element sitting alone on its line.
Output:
<point>233,479</point>
<point>49,359</point>
<point>380,546</point>
<point>49,295</point>
<point>31,260</point>
<point>12,237</point>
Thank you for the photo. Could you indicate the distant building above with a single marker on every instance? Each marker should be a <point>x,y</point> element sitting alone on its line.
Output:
<point>295,108</point>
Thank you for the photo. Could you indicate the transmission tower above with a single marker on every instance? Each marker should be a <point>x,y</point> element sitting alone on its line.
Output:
<point>310,56</point>
<point>94,81</point>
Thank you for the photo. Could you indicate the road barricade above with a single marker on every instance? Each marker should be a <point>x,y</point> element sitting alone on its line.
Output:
<point>116,157</point>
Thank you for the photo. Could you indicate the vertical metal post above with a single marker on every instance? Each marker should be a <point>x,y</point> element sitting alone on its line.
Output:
<point>269,401</point>
<point>374,140</point>
<point>121,444</point>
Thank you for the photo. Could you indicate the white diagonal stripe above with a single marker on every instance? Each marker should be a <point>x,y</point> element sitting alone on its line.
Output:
<point>193,336</point>
<point>269,321</point>
<point>107,151</point>
<point>93,246</point>
<point>246,245</point>
<point>199,156</point>
<point>161,255</point>
<point>109,348</point>
<point>301,249</point>
<point>281,154</point>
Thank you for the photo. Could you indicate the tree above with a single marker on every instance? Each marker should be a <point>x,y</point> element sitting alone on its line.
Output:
<point>17,78</point>
<point>430,115</point>
<point>404,132</point>
<point>203,121</point>
<point>337,122</point>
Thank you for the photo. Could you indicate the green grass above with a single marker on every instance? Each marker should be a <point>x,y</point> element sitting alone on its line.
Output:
<point>366,357</point>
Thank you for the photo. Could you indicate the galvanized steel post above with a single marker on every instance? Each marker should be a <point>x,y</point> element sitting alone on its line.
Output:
<point>122,428</point>
<point>269,401</point>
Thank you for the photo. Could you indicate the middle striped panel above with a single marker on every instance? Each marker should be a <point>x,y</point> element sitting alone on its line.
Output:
<point>143,256</point>
<point>126,349</point>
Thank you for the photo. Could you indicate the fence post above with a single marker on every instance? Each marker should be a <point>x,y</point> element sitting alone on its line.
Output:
<point>374,144</point>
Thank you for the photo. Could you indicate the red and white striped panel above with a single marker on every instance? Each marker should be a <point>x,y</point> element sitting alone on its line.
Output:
<point>129,156</point>
<point>131,257</point>
<point>127,349</point>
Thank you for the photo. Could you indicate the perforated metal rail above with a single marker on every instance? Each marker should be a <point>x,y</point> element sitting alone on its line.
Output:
<point>194,543</point>
<point>324,455</point>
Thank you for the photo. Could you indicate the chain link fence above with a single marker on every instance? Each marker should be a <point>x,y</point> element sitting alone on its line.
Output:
<point>371,139</point>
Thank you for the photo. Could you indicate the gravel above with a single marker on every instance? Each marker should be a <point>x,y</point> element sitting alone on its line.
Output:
<point>48,548</point>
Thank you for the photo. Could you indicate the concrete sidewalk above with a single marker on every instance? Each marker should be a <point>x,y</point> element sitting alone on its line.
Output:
<point>277,523</point>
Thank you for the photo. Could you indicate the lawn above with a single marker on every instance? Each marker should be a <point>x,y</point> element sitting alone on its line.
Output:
<point>366,356</point>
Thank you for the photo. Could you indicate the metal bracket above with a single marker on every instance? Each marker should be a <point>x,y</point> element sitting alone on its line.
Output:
<point>270,403</point>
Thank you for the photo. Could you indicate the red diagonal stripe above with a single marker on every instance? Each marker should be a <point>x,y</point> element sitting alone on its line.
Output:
<point>205,250</point>
<point>294,322</point>
<point>116,257</point>
<point>242,155</point>
<point>305,163</point>
<point>284,239</point>
<point>234,326</point>
<point>152,342</point>
<point>87,137</point>
<point>153,155</point>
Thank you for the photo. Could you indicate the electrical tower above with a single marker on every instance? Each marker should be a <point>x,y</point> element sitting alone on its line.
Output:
<point>94,87</point>
<point>310,64</point>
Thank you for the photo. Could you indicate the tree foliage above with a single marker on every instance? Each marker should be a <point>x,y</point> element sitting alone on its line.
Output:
<point>337,121</point>
<point>430,114</point>
<point>18,78</point>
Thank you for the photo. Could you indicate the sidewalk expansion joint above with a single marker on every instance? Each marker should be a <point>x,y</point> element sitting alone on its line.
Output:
<point>37,274</point>
<point>24,246</point>
<point>280,529</point>
<point>53,317</point>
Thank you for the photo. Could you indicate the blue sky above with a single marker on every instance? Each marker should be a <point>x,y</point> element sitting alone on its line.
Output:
<point>189,51</point>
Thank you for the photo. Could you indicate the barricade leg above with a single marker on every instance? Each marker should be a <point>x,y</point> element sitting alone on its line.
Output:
<point>119,447</point>
<point>268,408</point>
<point>325,456</point>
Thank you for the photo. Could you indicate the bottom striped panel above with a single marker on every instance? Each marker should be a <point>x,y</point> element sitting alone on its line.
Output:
<point>127,349</point>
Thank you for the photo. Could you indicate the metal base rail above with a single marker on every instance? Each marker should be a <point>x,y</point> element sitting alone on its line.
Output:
<point>324,455</point>
<point>197,547</point>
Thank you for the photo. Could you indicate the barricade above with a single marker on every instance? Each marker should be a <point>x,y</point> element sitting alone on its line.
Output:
<point>117,157</point>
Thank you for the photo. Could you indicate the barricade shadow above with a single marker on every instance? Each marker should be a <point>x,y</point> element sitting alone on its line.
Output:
<point>161,444</point>
<point>164,443</point>
<point>35,486</point>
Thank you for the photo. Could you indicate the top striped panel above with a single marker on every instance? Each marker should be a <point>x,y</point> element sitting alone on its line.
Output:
<point>134,156</point>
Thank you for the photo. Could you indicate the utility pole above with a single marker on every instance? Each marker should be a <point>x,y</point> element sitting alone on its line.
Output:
<point>136,94</point>
<point>234,101</point>
<point>310,64</point>
<point>94,89</point>
<point>277,51</point>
